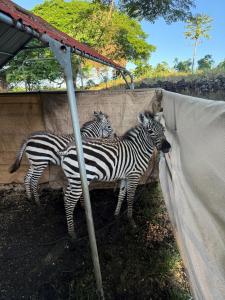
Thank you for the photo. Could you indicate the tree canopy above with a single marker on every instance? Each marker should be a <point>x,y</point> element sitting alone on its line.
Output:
<point>32,67</point>
<point>110,32</point>
<point>170,10</point>
<point>205,63</point>
<point>182,66</point>
<point>99,25</point>
<point>197,27</point>
<point>221,66</point>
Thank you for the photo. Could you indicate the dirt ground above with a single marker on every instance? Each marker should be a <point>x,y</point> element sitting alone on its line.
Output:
<point>141,263</point>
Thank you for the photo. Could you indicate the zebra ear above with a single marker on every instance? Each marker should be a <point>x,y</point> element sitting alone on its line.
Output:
<point>97,115</point>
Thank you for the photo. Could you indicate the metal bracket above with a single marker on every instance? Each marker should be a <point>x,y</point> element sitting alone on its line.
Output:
<point>63,55</point>
<point>129,85</point>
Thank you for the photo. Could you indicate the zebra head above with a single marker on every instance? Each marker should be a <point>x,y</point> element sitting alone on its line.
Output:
<point>104,123</point>
<point>155,130</point>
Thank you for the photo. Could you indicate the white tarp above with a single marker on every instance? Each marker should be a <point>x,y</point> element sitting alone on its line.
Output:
<point>192,177</point>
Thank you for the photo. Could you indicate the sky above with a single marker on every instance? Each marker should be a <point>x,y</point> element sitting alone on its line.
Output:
<point>169,39</point>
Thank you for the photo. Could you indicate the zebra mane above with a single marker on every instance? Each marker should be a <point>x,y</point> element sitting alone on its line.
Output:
<point>86,124</point>
<point>149,114</point>
<point>100,141</point>
<point>131,132</point>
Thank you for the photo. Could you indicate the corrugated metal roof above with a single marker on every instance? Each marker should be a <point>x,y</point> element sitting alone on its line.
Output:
<point>11,41</point>
<point>18,13</point>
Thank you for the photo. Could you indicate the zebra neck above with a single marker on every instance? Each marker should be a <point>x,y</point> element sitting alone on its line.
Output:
<point>139,137</point>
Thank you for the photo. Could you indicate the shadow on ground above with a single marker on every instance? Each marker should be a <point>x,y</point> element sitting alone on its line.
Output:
<point>136,264</point>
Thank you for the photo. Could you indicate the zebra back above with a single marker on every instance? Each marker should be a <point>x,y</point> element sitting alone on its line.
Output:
<point>120,156</point>
<point>42,147</point>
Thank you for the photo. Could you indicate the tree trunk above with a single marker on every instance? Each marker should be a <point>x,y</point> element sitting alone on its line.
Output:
<point>111,7</point>
<point>194,56</point>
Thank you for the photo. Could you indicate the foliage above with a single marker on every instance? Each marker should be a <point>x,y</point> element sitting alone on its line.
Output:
<point>221,66</point>
<point>31,67</point>
<point>197,27</point>
<point>98,25</point>
<point>110,32</point>
<point>142,69</point>
<point>170,10</point>
<point>182,66</point>
<point>162,67</point>
<point>205,63</point>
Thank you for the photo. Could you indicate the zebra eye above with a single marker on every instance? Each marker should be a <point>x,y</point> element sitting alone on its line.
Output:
<point>150,131</point>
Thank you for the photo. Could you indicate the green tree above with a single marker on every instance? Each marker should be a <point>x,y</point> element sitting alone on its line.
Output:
<point>162,67</point>
<point>99,25</point>
<point>110,32</point>
<point>170,10</point>
<point>205,63</point>
<point>197,27</point>
<point>221,66</point>
<point>142,70</point>
<point>182,66</point>
<point>32,67</point>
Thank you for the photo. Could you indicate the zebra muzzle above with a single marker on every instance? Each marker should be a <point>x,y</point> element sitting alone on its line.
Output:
<point>165,147</point>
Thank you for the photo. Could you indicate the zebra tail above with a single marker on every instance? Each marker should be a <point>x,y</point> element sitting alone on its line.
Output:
<point>15,166</point>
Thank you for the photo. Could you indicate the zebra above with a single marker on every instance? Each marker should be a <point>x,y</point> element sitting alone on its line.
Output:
<point>42,149</point>
<point>126,157</point>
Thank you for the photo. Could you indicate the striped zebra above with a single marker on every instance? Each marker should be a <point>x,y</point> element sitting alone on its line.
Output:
<point>125,158</point>
<point>42,149</point>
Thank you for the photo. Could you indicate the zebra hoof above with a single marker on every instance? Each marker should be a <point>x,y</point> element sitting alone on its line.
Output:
<point>72,236</point>
<point>132,223</point>
<point>70,243</point>
<point>116,215</point>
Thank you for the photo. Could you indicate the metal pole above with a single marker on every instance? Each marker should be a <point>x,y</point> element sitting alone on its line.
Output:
<point>63,55</point>
<point>131,85</point>
<point>124,78</point>
<point>132,81</point>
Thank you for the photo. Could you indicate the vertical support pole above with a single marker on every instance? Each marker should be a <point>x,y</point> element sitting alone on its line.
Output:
<point>132,81</point>
<point>81,74</point>
<point>131,85</point>
<point>63,55</point>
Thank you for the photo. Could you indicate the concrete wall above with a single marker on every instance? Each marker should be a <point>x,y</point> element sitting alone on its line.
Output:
<point>203,87</point>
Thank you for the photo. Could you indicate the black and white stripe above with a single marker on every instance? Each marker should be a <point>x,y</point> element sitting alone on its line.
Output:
<point>42,149</point>
<point>125,158</point>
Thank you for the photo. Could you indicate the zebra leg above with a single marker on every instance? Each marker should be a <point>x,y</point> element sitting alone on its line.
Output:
<point>132,184</point>
<point>122,194</point>
<point>82,200</point>
<point>71,198</point>
<point>34,182</point>
<point>27,182</point>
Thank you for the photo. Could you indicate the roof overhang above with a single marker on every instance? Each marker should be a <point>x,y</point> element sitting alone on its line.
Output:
<point>18,26</point>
